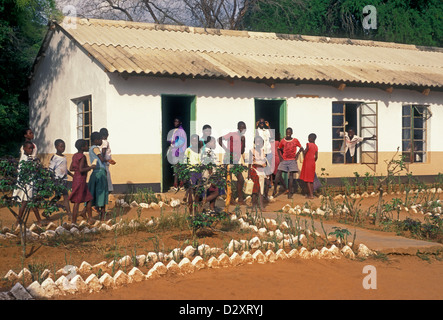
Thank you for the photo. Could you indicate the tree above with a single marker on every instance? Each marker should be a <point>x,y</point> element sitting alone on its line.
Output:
<point>33,179</point>
<point>411,21</point>
<point>22,28</point>
<point>223,14</point>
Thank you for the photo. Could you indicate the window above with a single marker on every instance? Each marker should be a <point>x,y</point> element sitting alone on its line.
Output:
<point>84,118</point>
<point>361,118</point>
<point>414,118</point>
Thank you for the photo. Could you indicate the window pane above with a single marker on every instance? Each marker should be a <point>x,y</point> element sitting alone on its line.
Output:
<point>337,107</point>
<point>80,107</point>
<point>406,134</point>
<point>418,134</point>
<point>406,110</point>
<point>406,145</point>
<point>80,133</point>
<point>337,158</point>
<point>336,145</point>
<point>86,116</point>
<point>337,121</point>
<point>406,122</point>
<point>80,120</point>
<point>86,102</point>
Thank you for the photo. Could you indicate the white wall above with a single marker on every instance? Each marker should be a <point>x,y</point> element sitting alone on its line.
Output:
<point>65,73</point>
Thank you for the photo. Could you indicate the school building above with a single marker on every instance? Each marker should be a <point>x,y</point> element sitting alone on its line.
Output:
<point>135,78</point>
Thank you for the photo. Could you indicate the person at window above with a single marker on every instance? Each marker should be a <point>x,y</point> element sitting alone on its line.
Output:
<point>351,142</point>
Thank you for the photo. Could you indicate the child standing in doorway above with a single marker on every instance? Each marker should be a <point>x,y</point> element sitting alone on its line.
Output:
<point>59,165</point>
<point>308,168</point>
<point>288,155</point>
<point>98,181</point>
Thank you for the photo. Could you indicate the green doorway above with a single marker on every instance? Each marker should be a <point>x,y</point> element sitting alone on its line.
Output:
<point>273,111</point>
<point>183,108</point>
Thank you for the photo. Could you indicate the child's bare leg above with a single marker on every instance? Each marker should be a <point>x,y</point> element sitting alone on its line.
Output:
<point>240,183</point>
<point>21,211</point>
<point>75,212</point>
<point>89,211</point>
<point>37,215</point>
<point>291,184</point>
<point>278,180</point>
<point>66,205</point>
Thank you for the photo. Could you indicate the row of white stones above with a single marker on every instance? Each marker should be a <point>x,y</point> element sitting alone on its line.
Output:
<point>64,286</point>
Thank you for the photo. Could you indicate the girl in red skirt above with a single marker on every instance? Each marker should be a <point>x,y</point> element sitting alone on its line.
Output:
<point>308,168</point>
<point>80,192</point>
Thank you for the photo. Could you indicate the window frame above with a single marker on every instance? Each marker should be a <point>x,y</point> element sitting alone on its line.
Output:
<point>409,126</point>
<point>83,107</point>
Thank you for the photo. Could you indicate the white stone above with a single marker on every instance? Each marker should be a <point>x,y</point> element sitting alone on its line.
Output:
<point>93,283</point>
<point>347,252</point>
<point>270,256</point>
<point>136,275</point>
<point>79,284</point>
<point>213,262</point>
<point>315,253</point>
<point>152,257</point>
<point>224,260</point>
<point>85,269</point>
<point>64,285</point>
<point>60,230</point>
<point>121,278</point>
<point>74,231</point>
<point>189,252</point>
<point>198,263</point>
<point>175,254</point>
<point>247,257</point>
<point>107,281</point>
<point>36,290</point>
<point>204,249</point>
<point>304,253</point>
<point>255,243</point>
<point>11,276</point>
<point>363,251</point>
<point>262,232</point>
<point>281,254</point>
<point>235,259</point>
<point>173,267</point>
<point>286,208</point>
<point>293,253</point>
<point>160,267</point>
<point>233,246</point>
<point>144,205</point>
<point>279,235</point>
<point>25,275</point>
<point>259,257</point>
<point>284,225</point>
<point>103,266</point>
<point>325,253</point>
<point>335,251</point>
<point>141,259</point>
<point>186,266</point>
<point>20,293</point>
<point>153,274</point>
<point>126,261</point>
<point>51,288</point>
<point>253,228</point>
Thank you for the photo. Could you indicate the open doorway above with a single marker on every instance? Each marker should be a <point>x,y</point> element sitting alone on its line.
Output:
<point>183,108</point>
<point>273,111</point>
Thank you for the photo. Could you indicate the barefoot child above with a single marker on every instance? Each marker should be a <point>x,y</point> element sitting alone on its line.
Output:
<point>257,171</point>
<point>308,168</point>
<point>80,192</point>
<point>59,165</point>
<point>23,196</point>
<point>98,181</point>
<point>288,155</point>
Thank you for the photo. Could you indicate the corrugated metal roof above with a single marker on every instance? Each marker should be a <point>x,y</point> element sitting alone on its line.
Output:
<point>145,48</point>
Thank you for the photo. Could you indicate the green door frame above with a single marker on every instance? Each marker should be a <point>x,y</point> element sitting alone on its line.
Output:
<point>192,127</point>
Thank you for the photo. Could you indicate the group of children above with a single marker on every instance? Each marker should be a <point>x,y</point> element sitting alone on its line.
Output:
<point>93,193</point>
<point>267,161</point>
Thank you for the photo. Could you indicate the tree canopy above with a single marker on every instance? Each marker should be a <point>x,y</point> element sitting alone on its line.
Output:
<point>416,22</point>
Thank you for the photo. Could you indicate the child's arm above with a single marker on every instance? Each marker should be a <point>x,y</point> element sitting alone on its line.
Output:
<point>316,155</point>
<point>83,166</point>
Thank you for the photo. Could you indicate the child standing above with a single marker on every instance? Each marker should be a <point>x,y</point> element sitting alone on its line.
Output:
<point>193,158</point>
<point>29,136</point>
<point>23,196</point>
<point>288,155</point>
<point>80,192</point>
<point>107,155</point>
<point>257,171</point>
<point>308,168</point>
<point>59,165</point>
<point>98,181</point>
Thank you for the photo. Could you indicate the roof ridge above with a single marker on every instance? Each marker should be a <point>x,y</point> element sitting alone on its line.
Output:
<point>253,34</point>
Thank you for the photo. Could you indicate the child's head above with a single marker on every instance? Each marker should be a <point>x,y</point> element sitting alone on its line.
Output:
<point>104,133</point>
<point>351,133</point>
<point>194,140</point>
<point>211,143</point>
<point>96,138</point>
<point>59,146</point>
<point>241,126</point>
<point>81,145</point>
<point>261,123</point>
<point>207,130</point>
<point>28,147</point>
<point>258,142</point>
<point>312,137</point>
<point>28,134</point>
<point>288,132</point>
<point>177,122</point>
